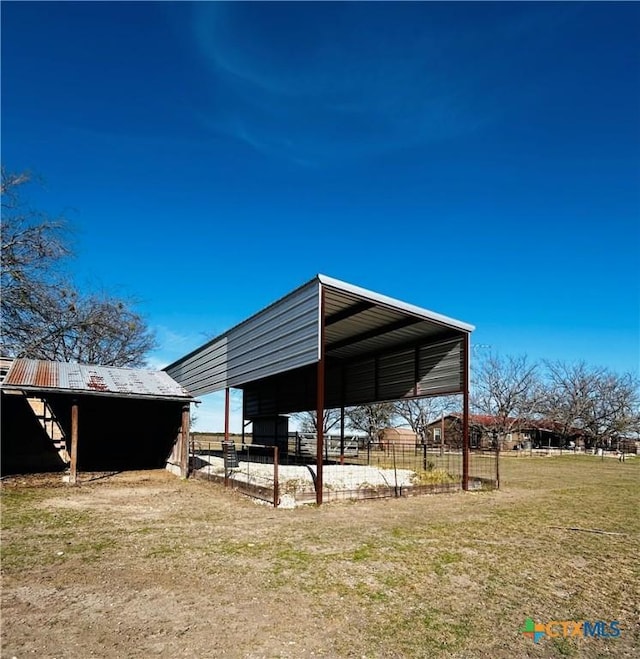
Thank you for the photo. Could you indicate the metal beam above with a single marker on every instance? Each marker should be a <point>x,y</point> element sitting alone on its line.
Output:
<point>435,339</point>
<point>348,312</point>
<point>373,333</point>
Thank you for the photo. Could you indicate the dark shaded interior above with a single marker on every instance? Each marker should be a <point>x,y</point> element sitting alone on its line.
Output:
<point>25,446</point>
<point>114,433</point>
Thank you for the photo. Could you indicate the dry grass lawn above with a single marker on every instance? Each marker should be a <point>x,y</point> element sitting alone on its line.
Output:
<point>143,564</point>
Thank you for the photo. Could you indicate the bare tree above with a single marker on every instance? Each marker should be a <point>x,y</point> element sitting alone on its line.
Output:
<point>568,388</point>
<point>371,419</point>
<point>507,389</point>
<point>602,404</point>
<point>43,315</point>
<point>418,413</point>
<point>613,413</point>
<point>33,247</point>
<point>309,420</point>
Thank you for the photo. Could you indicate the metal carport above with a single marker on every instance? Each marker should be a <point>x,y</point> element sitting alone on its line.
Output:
<point>331,344</point>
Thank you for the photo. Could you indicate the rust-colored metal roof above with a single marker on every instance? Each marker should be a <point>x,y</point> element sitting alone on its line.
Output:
<point>63,377</point>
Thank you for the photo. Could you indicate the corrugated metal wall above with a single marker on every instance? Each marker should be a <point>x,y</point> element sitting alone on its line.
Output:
<point>392,376</point>
<point>441,368</point>
<point>282,337</point>
<point>438,369</point>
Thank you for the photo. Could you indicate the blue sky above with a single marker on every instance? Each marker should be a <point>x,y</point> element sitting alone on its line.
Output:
<point>481,160</point>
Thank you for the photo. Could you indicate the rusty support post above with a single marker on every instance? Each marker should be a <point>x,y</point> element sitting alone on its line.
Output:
<point>276,482</point>
<point>342,435</point>
<point>465,411</point>
<point>225,450</point>
<point>184,441</point>
<point>73,470</point>
<point>320,405</point>
<point>226,414</point>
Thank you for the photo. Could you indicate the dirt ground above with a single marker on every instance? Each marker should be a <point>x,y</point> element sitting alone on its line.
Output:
<point>144,564</point>
<point>160,573</point>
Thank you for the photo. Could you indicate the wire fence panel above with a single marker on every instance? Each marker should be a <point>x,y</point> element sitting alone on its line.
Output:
<point>287,476</point>
<point>248,468</point>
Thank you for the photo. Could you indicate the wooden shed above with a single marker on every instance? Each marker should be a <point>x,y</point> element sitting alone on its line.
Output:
<point>58,416</point>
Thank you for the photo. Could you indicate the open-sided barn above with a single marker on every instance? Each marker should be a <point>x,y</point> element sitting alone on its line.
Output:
<point>330,344</point>
<point>58,416</point>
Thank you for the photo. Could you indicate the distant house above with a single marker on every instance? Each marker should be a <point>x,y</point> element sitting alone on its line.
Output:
<point>544,433</point>
<point>398,437</point>
<point>484,433</point>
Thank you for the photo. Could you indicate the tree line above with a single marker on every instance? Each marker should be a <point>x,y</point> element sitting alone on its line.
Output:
<point>571,398</point>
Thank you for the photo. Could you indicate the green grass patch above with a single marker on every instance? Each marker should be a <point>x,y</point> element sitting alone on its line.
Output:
<point>362,553</point>
<point>441,576</point>
<point>435,476</point>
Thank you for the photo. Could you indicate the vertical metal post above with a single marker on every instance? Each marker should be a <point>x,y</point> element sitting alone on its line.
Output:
<point>243,420</point>
<point>276,482</point>
<point>225,449</point>
<point>184,441</point>
<point>320,405</point>
<point>342,435</point>
<point>226,414</point>
<point>395,471</point>
<point>73,471</point>
<point>466,355</point>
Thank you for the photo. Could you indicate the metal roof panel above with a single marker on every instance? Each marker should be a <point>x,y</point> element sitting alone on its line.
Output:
<point>286,335</point>
<point>384,300</point>
<point>37,374</point>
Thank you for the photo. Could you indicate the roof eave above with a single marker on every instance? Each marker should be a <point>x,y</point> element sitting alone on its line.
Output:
<point>12,388</point>
<point>393,303</point>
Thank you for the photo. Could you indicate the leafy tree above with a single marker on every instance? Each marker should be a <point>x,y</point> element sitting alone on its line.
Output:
<point>44,316</point>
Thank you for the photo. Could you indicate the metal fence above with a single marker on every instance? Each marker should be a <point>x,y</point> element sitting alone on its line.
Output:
<point>286,475</point>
